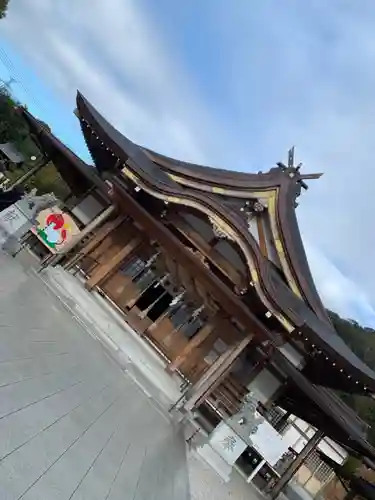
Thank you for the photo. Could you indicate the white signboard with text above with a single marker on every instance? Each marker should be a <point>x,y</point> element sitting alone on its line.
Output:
<point>270,445</point>
<point>12,223</point>
<point>227,443</point>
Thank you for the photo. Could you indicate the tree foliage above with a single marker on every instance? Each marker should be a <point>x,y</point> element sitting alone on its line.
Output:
<point>362,342</point>
<point>3,8</point>
<point>14,129</point>
<point>12,126</point>
<point>359,338</point>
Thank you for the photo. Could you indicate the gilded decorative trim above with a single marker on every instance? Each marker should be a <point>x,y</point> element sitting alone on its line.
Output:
<point>176,178</point>
<point>271,196</point>
<point>218,190</point>
<point>279,245</point>
<point>225,228</point>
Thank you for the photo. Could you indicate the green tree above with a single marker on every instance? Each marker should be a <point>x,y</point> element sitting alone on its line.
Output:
<point>13,127</point>
<point>3,8</point>
<point>361,340</point>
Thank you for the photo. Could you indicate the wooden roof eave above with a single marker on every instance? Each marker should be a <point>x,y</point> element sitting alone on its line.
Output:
<point>327,405</point>
<point>236,183</point>
<point>307,411</point>
<point>50,145</point>
<point>295,251</point>
<point>226,179</point>
<point>140,167</point>
<point>160,184</point>
<point>293,392</point>
<point>260,276</point>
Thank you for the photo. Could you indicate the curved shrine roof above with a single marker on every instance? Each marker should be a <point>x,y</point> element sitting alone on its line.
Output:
<point>176,175</point>
<point>333,363</point>
<point>211,187</point>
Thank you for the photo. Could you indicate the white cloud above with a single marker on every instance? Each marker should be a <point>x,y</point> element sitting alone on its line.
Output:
<point>310,69</point>
<point>296,72</point>
<point>339,293</point>
<point>113,54</point>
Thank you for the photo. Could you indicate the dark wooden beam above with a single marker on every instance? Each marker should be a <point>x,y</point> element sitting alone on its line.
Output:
<point>102,271</point>
<point>214,375</point>
<point>190,347</point>
<point>206,249</point>
<point>277,488</point>
<point>94,242</point>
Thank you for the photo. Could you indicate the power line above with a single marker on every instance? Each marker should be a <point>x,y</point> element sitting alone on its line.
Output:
<point>16,78</point>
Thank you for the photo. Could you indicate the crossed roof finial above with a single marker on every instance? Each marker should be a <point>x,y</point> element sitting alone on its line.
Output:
<point>291,168</point>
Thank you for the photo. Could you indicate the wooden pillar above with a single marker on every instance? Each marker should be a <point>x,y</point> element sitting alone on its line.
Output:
<point>190,347</point>
<point>262,237</point>
<point>102,271</point>
<point>213,376</point>
<point>277,488</point>
<point>101,234</point>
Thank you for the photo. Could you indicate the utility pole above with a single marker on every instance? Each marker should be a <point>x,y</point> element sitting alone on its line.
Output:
<point>7,84</point>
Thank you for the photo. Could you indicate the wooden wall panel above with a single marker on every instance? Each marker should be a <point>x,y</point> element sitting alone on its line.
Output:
<point>206,249</point>
<point>190,348</point>
<point>111,263</point>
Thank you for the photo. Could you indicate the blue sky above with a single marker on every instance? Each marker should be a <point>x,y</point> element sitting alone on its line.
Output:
<point>229,83</point>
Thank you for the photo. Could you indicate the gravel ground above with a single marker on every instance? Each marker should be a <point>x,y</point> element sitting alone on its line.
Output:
<point>205,484</point>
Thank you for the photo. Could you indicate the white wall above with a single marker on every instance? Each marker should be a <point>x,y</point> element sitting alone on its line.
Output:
<point>253,228</point>
<point>300,428</point>
<point>87,209</point>
<point>264,386</point>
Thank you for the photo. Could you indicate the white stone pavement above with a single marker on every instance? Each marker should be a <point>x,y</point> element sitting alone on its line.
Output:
<point>73,425</point>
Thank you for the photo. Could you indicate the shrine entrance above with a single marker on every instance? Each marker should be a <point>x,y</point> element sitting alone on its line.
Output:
<point>169,310</point>
<point>154,306</point>
<point>158,299</point>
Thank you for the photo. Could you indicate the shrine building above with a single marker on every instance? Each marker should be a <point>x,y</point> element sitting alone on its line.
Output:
<point>207,268</point>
